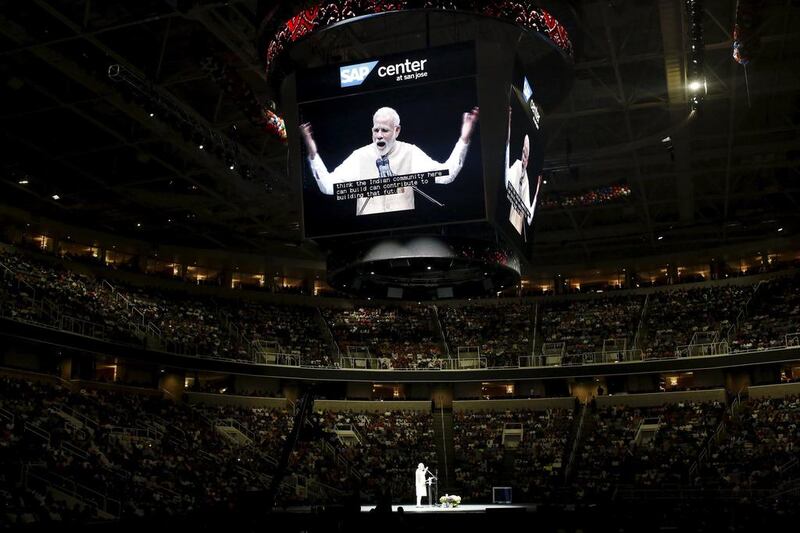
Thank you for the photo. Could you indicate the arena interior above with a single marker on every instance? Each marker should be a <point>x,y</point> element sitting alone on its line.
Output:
<point>213,318</point>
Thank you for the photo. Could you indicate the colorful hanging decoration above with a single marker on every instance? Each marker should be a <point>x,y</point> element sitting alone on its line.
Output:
<point>324,14</point>
<point>746,40</point>
<point>233,85</point>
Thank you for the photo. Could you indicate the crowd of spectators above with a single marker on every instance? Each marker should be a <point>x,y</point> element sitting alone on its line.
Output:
<point>614,452</point>
<point>773,314</point>
<point>535,464</point>
<point>152,456</point>
<point>399,337</point>
<point>37,289</point>
<point>296,329</point>
<point>761,448</point>
<point>184,323</point>
<point>389,447</point>
<point>673,317</point>
<point>41,289</point>
<point>584,325</point>
<point>155,457</point>
<point>541,457</point>
<point>502,333</point>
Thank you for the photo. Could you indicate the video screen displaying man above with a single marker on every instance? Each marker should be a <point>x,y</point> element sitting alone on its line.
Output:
<point>518,187</point>
<point>386,156</point>
<point>522,169</point>
<point>389,143</point>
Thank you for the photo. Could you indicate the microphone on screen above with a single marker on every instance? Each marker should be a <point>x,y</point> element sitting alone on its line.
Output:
<point>383,167</point>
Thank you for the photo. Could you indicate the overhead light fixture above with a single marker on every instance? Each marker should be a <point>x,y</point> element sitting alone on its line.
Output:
<point>660,237</point>
<point>56,197</point>
<point>695,13</point>
<point>23,182</point>
<point>780,229</point>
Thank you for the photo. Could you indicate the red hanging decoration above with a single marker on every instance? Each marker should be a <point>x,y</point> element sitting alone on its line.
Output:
<point>746,40</point>
<point>326,13</point>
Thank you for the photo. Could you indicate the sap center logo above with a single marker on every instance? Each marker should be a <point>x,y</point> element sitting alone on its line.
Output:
<point>351,75</point>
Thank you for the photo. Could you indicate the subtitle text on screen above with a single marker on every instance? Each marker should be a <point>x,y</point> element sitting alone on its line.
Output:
<point>351,190</point>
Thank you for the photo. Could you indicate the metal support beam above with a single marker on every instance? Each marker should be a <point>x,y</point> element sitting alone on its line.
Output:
<point>636,164</point>
<point>673,38</point>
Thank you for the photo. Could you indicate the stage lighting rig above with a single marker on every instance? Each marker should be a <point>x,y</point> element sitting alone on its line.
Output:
<point>695,72</point>
<point>260,114</point>
<point>168,109</point>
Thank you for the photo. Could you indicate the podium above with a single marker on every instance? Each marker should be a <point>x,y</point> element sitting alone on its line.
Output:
<point>433,489</point>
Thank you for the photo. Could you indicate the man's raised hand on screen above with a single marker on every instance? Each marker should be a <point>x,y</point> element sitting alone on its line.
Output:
<point>308,138</point>
<point>468,123</point>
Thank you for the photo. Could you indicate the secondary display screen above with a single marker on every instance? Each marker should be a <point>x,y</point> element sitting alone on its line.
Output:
<point>392,142</point>
<point>524,157</point>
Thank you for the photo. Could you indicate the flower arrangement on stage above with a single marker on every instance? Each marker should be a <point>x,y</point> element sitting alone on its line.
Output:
<point>450,500</point>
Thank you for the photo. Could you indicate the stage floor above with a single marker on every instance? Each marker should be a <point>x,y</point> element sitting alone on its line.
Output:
<point>432,509</point>
<point>465,508</point>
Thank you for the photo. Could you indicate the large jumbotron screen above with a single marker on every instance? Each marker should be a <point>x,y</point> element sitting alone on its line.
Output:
<point>518,193</point>
<point>391,142</point>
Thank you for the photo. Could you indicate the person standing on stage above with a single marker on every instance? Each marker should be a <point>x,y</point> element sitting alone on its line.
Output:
<point>420,482</point>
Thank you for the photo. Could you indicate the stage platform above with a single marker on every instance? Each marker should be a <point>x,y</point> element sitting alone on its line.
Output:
<point>464,508</point>
<point>430,509</point>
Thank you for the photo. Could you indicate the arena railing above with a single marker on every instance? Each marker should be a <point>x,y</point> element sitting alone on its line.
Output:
<point>39,432</point>
<point>10,274</point>
<point>640,325</point>
<point>235,424</point>
<point>329,336</point>
<point>265,351</point>
<point>7,415</point>
<point>50,315</point>
<point>90,424</point>
<point>79,453</point>
<point>123,433</point>
<point>615,345</point>
<point>576,441</point>
<point>440,329</point>
<point>140,324</point>
<point>81,492</point>
<point>792,340</point>
<point>587,358</point>
<point>704,349</point>
<point>83,327</point>
<point>372,363</point>
<point>340,459</point>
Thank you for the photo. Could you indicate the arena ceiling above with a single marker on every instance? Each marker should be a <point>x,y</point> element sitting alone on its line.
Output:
<point>728,175</point>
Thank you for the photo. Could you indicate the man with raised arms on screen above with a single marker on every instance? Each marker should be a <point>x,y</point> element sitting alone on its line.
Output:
<point>386,156</point>
<point>518,185</point>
